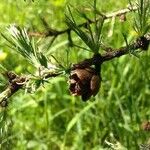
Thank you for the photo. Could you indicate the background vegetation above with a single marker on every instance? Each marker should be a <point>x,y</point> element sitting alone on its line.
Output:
<point>51,118</point>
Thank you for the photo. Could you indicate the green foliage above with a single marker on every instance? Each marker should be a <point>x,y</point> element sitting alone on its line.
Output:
<point>91,38</point>
<point>142,19</point>
<point>23,44</point>
<point>53,119</point>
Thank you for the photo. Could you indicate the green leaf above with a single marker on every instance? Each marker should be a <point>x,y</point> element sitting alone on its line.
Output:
<point>92,38</point>
<point>141,21</point>
<point>84,36</point>
<point>2,68</point>
<point>78,115</point>
<point>26,46</point>
<point>43,60</point>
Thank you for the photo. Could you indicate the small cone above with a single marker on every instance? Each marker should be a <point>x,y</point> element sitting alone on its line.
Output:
<point>84,82</point>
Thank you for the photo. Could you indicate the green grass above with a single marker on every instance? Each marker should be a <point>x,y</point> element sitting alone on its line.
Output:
<point>52,119</point>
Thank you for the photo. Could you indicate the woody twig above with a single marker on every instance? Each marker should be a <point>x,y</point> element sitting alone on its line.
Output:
<point>54,33</point>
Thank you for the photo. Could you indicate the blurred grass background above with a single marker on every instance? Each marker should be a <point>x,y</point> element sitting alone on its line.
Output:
<point>52,119</point>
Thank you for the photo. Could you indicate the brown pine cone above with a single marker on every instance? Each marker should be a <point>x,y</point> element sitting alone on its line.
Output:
<point>84,82</point>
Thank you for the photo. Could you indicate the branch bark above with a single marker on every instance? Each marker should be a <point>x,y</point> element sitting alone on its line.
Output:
<point>141,42</point>
<point>17,82</point>
<point>55,33</point>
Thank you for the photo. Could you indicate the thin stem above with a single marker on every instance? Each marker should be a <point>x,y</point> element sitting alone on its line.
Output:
<point>53,32</point>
